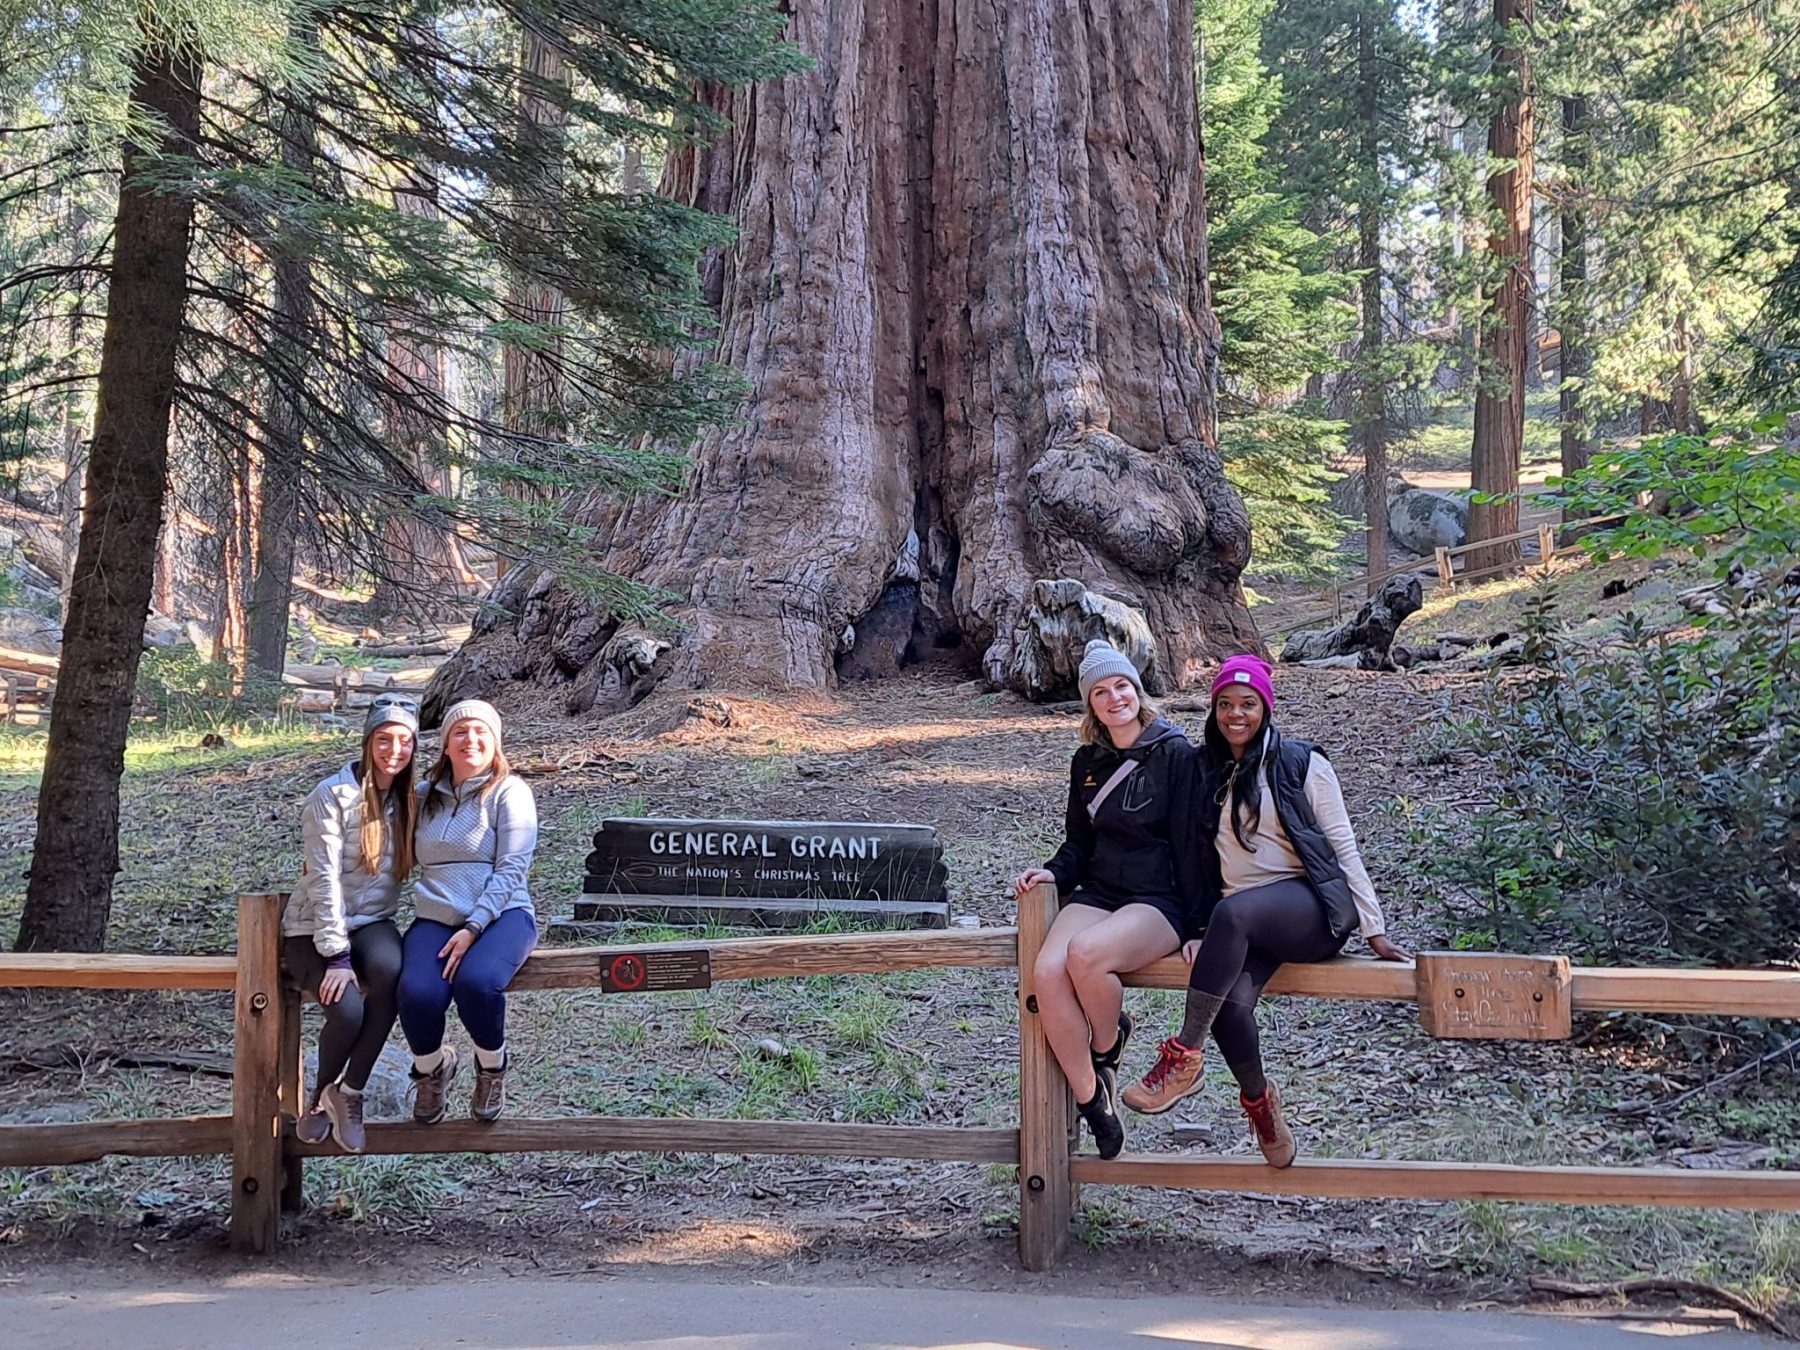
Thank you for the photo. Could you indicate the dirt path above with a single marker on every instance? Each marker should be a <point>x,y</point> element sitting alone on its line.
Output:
<point>250,1311</point>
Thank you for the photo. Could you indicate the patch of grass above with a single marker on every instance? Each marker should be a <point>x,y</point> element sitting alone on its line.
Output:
<point>861,1020</point>
<point>377,1189</point>
<point>767,1087</point>
<point>1099,1222</point>
<point>704,1030</point>
<point>155,749</point>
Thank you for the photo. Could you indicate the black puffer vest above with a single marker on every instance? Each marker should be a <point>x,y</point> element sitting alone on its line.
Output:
<point>1286,762</point>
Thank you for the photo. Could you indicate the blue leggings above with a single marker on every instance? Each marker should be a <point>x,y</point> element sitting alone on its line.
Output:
<point>479,988</point>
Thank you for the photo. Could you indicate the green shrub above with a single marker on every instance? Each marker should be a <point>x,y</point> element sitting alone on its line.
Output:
<point>177,687</point>
<point>1648,797</point>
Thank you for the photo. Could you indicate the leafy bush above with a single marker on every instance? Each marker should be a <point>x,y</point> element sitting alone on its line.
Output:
<point>1648,801</point>
<point>1649,792</point>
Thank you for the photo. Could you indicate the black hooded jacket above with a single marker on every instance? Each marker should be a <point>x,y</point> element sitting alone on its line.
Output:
<point>1143,843</point>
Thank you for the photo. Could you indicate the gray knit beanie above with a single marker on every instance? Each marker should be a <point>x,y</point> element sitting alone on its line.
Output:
<point>391,709</point>
<point>1101,661</point>
<point>479,709</point>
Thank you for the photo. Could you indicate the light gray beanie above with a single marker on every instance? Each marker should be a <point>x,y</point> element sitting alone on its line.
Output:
<point>1102,661</point>
<point>479,709</point>
<point>395,709</point>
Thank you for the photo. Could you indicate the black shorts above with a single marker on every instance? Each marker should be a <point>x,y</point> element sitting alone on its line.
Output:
<point>1165,905</point>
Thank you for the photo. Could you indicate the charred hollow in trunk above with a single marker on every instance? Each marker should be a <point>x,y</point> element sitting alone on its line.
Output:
<point>968,296</point>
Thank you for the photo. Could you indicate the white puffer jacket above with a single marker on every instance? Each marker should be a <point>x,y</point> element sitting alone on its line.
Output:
<point>335,895</point>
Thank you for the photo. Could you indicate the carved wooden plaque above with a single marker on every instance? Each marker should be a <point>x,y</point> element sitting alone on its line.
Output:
<point>1485,996</point>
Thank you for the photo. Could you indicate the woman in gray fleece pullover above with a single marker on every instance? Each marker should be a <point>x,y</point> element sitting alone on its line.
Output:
<point>340,943</point>
<point>475,924</point>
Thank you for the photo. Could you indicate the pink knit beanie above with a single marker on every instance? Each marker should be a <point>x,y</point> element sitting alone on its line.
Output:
<point>1247,670</point>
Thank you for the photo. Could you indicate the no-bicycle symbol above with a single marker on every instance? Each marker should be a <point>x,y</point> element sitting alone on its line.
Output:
<point>651,971</point>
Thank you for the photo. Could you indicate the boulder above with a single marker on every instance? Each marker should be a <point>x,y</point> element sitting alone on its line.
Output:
<point>1421,521</point>
<point>28,631</point>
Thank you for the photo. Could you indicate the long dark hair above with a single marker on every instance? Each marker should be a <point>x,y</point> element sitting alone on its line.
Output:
<point>1239,780</point>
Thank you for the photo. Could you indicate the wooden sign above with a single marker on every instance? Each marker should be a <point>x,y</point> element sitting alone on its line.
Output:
<point>764,872</point>
<point>655,970</point>
<point>1483,996</point>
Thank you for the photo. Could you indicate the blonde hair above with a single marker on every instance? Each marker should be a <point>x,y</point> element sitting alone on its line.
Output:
<point>1093,730</point>
<point>372,842</point>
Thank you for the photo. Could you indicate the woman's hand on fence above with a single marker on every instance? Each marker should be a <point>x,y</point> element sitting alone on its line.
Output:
<point>1190,949</point>
<point>453,951</point>
<point>337,979</point>
<point>1036,876</point>
<point>1386,950</point>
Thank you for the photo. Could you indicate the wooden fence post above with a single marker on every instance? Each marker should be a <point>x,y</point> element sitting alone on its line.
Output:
<point>256,1087</point>
<point>291,1083</point>
<point>1546,546</point>
<point>1446,570</point>
<point>1046,1195</point>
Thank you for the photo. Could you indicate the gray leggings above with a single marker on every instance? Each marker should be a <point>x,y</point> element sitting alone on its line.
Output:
<point>357,1025</point>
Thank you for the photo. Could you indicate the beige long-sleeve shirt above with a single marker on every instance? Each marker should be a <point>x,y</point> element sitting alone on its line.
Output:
<point>1274,858</point>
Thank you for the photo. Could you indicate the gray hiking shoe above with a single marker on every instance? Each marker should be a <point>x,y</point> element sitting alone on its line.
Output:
<point>431,1091</point>
<point>346,1112</point>
<point>315,1126</point>
<point>490,1091</point>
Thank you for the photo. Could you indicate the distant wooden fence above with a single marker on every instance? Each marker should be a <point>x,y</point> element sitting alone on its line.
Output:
<point>1438,570</point>
<point>267,1160</point>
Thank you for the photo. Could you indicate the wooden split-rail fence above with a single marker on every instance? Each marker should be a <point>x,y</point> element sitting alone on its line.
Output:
<point>268,1161</point>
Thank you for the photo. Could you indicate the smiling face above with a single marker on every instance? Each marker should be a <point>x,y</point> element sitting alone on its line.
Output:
<point>469,745</point>
<point>1239,713</point>
<point>390,751</point>
<point>1114,701</point>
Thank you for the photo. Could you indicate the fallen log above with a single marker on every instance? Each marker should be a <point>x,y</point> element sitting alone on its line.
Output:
<point>1368,635</point>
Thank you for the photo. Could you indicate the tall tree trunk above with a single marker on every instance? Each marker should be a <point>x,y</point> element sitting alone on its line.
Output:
<point>68,897</point>
<point>968,297</point>
<point>1500,397</point>
<point>1576,349</point>
<point>532,394</point>
<point>1371,399</point>
<point>274,507</point>
<point>1682,417</point>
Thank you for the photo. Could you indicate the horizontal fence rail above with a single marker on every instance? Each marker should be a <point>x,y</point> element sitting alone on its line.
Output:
<point>268,1159</point>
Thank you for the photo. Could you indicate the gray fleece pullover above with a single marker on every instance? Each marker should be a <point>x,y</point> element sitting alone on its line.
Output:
<point>474,851</point>
<point>336,895</point>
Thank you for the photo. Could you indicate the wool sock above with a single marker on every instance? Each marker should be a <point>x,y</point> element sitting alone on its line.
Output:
<point>491,1059</point>
<point>1202,1008</point>
<point>424,1064</point>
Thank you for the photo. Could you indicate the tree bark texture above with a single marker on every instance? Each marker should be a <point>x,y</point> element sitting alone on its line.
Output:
<point>969,298</point>
<point>1500,396</point>
<point>1371,400</point>
<point>68,897</point>
<point>533,382</point>
<point>1575,348</point>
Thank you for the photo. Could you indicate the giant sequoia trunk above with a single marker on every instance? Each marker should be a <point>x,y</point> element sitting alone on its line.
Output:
<point>969,299</point>
<point>68,897</point>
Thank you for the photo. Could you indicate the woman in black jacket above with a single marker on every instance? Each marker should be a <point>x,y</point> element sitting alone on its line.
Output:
<point>1122,872</point>
<point>1282,880</point>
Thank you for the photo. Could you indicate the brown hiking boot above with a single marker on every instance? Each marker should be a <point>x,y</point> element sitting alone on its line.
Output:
<point>345,1110</point>
<point>431,1091</point>
<point>1176,1074</point>
<point>490,1091</point>
<point>315,1126</point>
<point>1269,1127</point>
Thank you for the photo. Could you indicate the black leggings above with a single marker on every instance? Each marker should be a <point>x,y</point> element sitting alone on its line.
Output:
<point>1250,936</point>
<point>357,1025</point>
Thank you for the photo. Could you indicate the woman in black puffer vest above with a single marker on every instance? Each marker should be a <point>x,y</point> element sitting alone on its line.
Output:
<point>1123,872</point>
<point>1282,880</point>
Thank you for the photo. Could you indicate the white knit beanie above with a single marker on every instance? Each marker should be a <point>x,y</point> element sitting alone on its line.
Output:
<point>478,709</point>
<point>1102,661</point>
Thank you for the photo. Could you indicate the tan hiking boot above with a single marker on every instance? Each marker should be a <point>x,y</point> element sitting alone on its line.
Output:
<point>489,1100</point>
<point>1176,1074</point>
<point>1269,1127</point>
<point>345,1109</point>
<point>431,1091</point>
